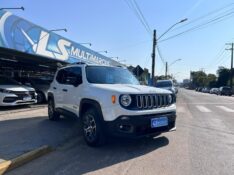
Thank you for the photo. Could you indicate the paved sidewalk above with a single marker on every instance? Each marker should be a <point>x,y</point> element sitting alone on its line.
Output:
<point>23,131</point>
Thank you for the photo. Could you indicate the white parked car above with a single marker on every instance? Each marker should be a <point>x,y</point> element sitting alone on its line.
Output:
<point>13,93</point>
<point>110,101</point>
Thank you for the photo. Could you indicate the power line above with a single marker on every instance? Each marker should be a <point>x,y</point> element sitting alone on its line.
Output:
<point>142,15</point>
<point>217,57</point>
<point>206,15</point>
<point>138,13</point>
<point>160,55</point>
<point>199,26</point>
<point>147,59</point>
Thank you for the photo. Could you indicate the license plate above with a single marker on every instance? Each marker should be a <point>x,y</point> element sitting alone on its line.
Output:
<point>28,98</point>
<point>159,122</point>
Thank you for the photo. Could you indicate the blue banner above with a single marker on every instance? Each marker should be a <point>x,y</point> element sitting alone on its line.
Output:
<point>19,34</point>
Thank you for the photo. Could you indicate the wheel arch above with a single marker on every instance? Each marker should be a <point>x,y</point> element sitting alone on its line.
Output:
<point>50,96</point>
<point>86,104</point>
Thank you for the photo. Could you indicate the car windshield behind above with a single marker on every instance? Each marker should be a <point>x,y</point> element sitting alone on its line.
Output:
<point>160,84</point>
<point>8,81</point>
<point>109,75</point>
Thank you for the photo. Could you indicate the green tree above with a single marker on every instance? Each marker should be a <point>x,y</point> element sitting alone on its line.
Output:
<point>211,80</point>
<point>223,76</point>
<point>199,78</point>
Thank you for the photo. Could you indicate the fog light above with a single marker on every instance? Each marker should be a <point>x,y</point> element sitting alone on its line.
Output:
<point>125,128</point>
<point>124,118</point>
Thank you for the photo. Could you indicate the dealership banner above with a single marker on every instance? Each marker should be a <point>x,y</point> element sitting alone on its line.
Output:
<point>22,35</point>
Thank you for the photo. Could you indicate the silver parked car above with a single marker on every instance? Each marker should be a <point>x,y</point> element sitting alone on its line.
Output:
<point>166,84</point>
<point>214,91</point>
<point>13,93</point>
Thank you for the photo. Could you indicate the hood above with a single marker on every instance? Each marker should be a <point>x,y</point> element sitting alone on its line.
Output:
<point>16,88</point>
<point>131,89</point>
<point>167,88</point>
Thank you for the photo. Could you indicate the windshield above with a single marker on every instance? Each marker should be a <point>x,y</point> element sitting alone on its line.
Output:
<point>164,84</point>
<point>109,75</point>
<point>8,81</point>
<point>226,88</point>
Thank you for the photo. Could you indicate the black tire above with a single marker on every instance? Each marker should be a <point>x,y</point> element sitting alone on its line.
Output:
<point>52,113</point>
<point>93,128</point>
<point>40,97</point>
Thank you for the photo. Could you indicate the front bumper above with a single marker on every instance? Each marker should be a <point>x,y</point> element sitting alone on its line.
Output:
<point>15,100</point>
<point>139,126</point>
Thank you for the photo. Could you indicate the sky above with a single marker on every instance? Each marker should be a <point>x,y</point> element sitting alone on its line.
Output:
<point>111,25</point>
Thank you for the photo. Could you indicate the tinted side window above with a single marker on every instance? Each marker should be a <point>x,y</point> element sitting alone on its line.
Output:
<point>60,76</point>
<point>72,74</point>
<point>67,75</point>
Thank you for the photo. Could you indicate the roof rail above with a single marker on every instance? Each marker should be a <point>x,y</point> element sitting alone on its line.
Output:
<point>80,62</point>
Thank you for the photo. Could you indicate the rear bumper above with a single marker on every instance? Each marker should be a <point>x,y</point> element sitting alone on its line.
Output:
<point>139,126</point>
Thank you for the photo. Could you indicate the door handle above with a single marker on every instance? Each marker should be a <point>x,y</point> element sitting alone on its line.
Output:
<point>65,90</point>
<point>54,88</point>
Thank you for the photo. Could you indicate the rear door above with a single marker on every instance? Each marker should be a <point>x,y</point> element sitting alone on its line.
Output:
<point>72,88</point>
<point>57,87</point>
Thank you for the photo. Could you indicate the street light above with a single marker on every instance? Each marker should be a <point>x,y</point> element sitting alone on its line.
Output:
<point>49,31</point>
<point>114,57</point>
<point>181,21</point>
<point>102,51</point>
<point>174,62</point>
<point>90,44</point>
<point>155,40</point>
<point>55,30</point>
<point>14,8</point>
<point>167,66</point>
<point>117,59</point>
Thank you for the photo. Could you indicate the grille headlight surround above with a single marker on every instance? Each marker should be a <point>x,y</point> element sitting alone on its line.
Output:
<point>5,91</point>
<point>125,100</point>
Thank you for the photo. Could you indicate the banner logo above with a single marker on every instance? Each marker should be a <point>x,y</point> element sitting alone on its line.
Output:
<point>17,33</point>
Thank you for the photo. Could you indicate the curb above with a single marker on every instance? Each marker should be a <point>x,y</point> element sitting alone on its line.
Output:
<point>23,110</point>
<point>24,158</point>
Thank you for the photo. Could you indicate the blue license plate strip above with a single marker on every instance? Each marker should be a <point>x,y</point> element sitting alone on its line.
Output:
<point>159,122</point>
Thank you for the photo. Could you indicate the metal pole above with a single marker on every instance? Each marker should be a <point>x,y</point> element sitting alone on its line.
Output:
<point>231,81</point>
<point>166,70</point>
<point>153,56</point>
<point>231,70</point>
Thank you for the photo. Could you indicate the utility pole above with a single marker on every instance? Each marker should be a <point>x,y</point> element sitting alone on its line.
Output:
<point>166,70</point>
<point>153,56</point>
<point>231,71</point>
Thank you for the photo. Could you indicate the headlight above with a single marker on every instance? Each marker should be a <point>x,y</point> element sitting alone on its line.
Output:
<point>169,98</point>
<point>173,90</point>
<point>5,91</point>
<point>125,100</point>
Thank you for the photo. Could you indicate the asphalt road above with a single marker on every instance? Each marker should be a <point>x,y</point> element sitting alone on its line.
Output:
<point>202,144</point>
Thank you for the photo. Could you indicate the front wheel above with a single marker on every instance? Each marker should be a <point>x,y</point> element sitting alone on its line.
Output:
<point>92,128</point>
<point>40,97</point>
<point>52,113</point>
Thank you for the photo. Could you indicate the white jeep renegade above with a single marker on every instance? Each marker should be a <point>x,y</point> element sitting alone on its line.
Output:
<point>110,101</point>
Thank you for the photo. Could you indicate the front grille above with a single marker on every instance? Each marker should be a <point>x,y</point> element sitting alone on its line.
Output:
<point>152,101</point>
<point>22,94</point>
